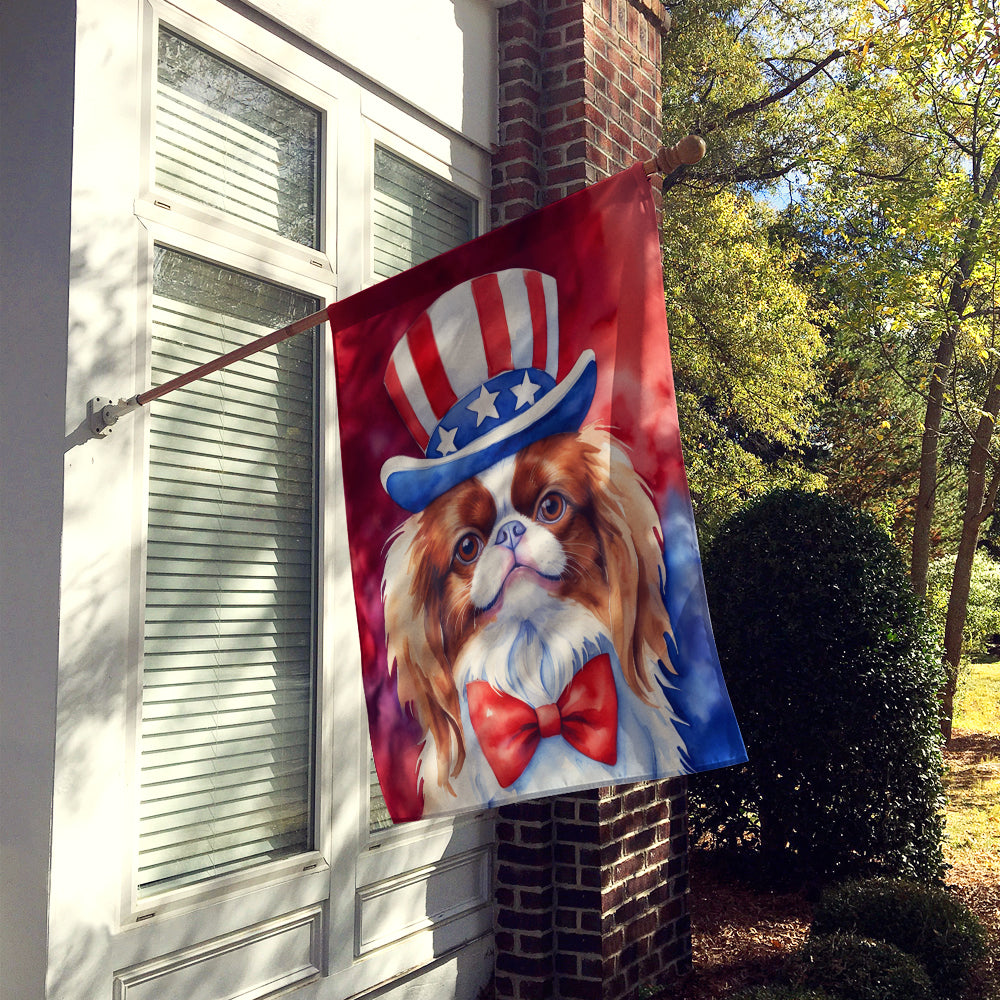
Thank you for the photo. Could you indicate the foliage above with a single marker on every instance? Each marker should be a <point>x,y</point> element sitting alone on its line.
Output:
<point>877,125</point>
<point>867,430</point>
<point>973,781</point>
<point>745,343</point>
<point>832,671</point>
<point>746,355</point>
<point>926,922</point>
<point>983,615</point>
<point>856,968</point>
<point>747,76</point>
<point>911,195</point>
<point>979,696</point>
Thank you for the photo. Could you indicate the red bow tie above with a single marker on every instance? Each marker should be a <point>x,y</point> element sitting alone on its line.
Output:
<point>509,730</point>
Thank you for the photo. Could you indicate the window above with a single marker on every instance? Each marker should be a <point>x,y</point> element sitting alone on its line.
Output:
<point>273,184</point>
<point>229,647</point>
<point>416,216</point>
<point>227,140</point>
<point>228,676</point>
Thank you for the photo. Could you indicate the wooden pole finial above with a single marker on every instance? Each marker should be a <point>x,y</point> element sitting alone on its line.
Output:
<point>668,158</point>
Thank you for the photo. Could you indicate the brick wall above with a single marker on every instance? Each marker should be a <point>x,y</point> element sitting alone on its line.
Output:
<point>579,96</point>
<point>591,889</point>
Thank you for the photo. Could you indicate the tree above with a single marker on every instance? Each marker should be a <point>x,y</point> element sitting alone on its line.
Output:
<point>746,76</point>
<point>912,189</point>
<point>879,123</point>
<point>746,355</point>
<point>747,352</point>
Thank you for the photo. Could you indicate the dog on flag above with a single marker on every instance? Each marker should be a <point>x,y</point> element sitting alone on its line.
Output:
<point>523,599</point>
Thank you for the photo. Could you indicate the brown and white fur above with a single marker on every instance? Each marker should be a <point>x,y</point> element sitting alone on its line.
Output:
<point>518,576</point>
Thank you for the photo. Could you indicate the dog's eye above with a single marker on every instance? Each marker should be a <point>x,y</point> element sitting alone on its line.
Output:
<point>551,508</point>
<point>468,548</point>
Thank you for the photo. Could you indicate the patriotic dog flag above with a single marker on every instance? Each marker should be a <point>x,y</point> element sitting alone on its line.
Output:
<point>526,573</point>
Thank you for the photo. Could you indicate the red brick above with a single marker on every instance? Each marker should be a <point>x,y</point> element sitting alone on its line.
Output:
<point>563,52</point>
<point>528,856</point>
<point>568,174</point>
<point>532,899</point>
<point>641,927</point>
<point>567,964</point>
<point>510,152</point>
<point>552,78</point>
<point>521,91</point>
<point>535,989</point>
<point>572,14</point>
<point>520,130</point>
<point>518,876</point>
<point>581,989</point>
<point>567,133</point>
<point>619,135</point>
<point>520,920</point>
<point>541,944</point>
<point>642,882</point>
<point>521,111</point>
<point>518,49</point>
<point>552,117</point>
<point>538,966</point>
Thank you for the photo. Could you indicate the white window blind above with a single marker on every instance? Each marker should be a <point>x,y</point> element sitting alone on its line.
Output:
<point>416,217</point>
<point>230,141</point>
<point>228,661</point>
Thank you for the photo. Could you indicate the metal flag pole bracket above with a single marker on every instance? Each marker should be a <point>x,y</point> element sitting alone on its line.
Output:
<point>103,413</point>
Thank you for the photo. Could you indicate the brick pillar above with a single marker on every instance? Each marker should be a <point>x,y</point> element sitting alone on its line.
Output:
<point>579,96</point>
<point>591,889</point>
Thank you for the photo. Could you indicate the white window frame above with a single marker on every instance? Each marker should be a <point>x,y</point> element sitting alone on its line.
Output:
<point>351,873</point>
<point>177,223</point>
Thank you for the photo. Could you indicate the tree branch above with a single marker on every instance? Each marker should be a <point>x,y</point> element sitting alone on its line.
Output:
<point>754,106</point>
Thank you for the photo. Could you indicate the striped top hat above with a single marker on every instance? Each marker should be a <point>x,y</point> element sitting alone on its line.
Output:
<point>474,379</point>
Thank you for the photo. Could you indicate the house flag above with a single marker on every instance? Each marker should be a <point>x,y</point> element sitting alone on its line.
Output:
<point>526,573</point>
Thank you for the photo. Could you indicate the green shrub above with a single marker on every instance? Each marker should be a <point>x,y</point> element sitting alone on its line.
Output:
<point>926,922</point>
<point>856,968</point>
<point>982,619</point>
<point>833,672</point>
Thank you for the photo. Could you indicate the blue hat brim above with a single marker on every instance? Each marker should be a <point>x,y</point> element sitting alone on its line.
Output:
<point>414,482</point>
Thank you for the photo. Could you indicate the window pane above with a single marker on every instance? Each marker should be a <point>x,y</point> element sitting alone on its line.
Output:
<point>228,658</point>
<point>416,217</point>
<point>228,140</point>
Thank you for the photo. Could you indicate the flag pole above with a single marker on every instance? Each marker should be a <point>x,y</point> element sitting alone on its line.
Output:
<point>687,152</point>
<point>103,413</point>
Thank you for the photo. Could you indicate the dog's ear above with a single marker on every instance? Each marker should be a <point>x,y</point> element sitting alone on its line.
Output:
<point>415,647</point>
<point>632,545</point>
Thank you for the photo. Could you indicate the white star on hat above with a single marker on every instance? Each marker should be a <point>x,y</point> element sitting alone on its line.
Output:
<point>485,405</point>
<point>525,392</point>
<point>447,443</point>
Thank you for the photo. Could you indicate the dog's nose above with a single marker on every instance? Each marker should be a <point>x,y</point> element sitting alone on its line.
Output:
<point>510,534</point>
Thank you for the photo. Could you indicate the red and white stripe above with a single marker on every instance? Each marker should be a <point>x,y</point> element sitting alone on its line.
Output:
<point>494,323</point>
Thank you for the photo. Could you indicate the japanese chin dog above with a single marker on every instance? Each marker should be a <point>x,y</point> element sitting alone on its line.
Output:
<point>536,584</point>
